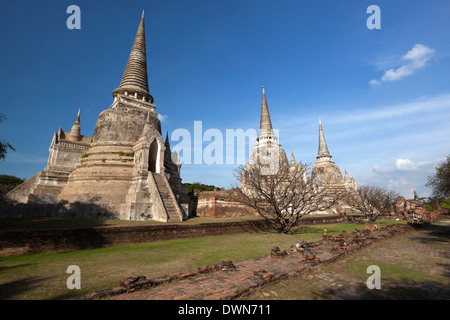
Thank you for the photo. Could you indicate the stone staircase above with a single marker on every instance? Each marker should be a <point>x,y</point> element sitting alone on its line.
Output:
<point>167,197</point>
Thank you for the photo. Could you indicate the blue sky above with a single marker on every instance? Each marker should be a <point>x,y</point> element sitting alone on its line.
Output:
<point>383,95</point>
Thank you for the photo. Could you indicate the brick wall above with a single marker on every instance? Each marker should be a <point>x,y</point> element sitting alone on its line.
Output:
<point>220,204</point>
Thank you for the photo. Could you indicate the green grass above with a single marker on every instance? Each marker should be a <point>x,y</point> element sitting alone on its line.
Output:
<point>38,223</point>
<point>43,275</point>
<point>337,228</point>
<point>410,265</point>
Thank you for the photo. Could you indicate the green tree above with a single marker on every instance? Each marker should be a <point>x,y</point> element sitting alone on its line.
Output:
<point>7,183</point>
<point>4,145</point>
<point>440,181</point>
<point>197,185</point>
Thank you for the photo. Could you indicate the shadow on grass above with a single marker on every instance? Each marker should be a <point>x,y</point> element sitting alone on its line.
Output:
<point>438,234</point>
<point>435,233</point>
<point>11,290</point>
<point>4,268</point>
<point>390,290</point>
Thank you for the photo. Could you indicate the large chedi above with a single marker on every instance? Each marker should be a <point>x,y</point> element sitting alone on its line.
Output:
<point>127,171</point>
<point>326,169</point>
<point>267,152</point>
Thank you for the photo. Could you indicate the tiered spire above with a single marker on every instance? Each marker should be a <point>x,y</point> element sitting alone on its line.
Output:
<point>323,153</point>
<point>265,126</point>
<point>135,80</point>
<point>75,132</point>
<point>293,161</point>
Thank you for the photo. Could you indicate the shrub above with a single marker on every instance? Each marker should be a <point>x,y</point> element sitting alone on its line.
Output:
<point>8,182</point>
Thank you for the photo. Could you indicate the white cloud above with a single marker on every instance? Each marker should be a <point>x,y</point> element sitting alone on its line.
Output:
<point>381,169</point>
<point>415,59</point>
<point>162,117</point>
<point>418,107</point>
<point>405,165</point>
<point>403,186</point>
<point>418,52</point>
<point>404,176</point>
<point>395,183</point>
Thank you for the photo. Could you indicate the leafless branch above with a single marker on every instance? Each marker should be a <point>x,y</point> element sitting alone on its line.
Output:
<point>286,196</point>
<point>372,201</point>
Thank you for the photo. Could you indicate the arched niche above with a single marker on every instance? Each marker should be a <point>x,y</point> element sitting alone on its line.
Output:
<point>153,157</point>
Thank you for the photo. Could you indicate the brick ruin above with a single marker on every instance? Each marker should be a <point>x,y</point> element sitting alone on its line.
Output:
<point>258,272</point>
<point>219,204</point>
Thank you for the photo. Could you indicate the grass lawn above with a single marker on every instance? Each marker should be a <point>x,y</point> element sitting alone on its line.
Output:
<point>413,266</point>
<point>43,275</point>
<point>37,223</point>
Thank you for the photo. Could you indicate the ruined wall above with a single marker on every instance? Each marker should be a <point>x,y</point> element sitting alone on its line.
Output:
<point>220,204</point>
<point>64,155</point>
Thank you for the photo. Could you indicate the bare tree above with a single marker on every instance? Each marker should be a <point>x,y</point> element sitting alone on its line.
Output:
<point>372,201</point>
<point>283,198</point>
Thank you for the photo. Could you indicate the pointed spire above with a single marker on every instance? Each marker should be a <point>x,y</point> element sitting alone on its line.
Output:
<point>265,126</point>
<point>135,79</point>
<point>167,139</point>
<point>75,132</point>
<point>346,177</point>
<point>293,161</point>
<point>323,149</point>
<point>78,116</point>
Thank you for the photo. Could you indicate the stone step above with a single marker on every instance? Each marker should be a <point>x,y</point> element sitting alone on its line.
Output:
<point>169,203</point>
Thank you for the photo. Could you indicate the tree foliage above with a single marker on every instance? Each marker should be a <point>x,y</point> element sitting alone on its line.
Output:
<point>4,145</point>
<point>188,187</point>
<point>8,182</point>
<point>440,181</point>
